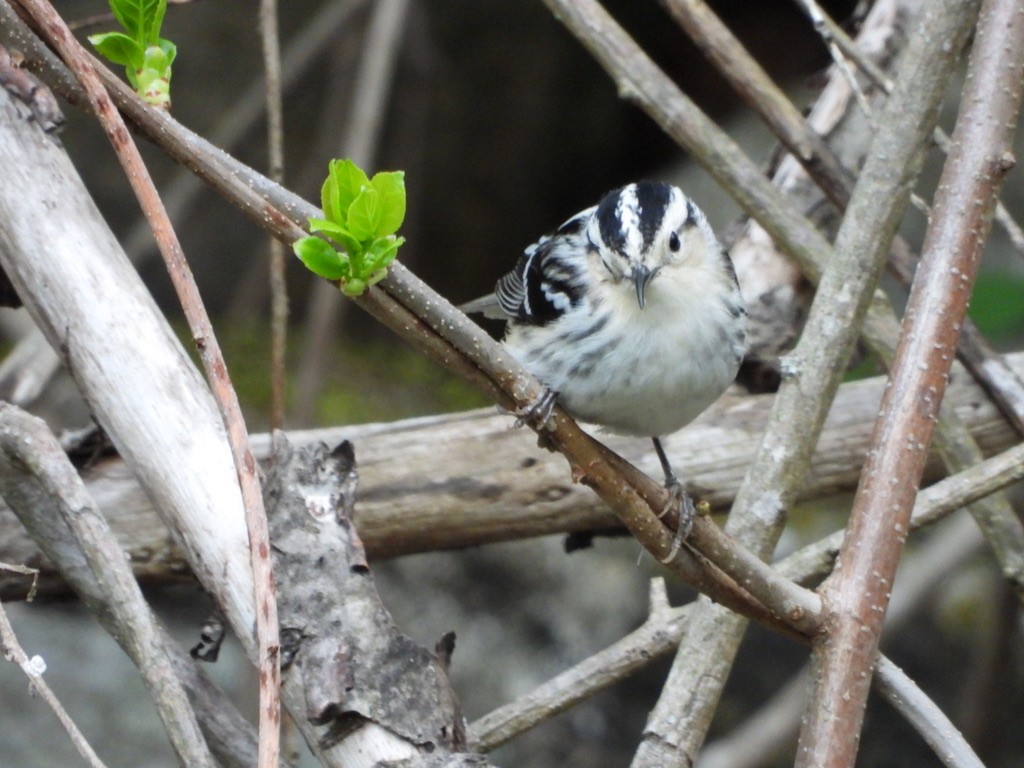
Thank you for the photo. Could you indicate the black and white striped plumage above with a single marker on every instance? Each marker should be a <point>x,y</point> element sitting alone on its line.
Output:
<point>630,311</point>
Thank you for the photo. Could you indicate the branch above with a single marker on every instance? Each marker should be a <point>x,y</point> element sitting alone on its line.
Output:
<point>763,96</point>
<point>664,628</point>
<point>835,37</point>
<point>774,728</point>
<point>930,721</point>
<point>857,593</point>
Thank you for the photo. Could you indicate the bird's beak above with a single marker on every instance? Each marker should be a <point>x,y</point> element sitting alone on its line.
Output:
<point>641,277</point>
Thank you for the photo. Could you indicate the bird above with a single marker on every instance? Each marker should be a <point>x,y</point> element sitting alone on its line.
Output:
<point>629,314</point>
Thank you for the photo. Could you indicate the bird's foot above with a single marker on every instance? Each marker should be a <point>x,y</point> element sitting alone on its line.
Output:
<point>679,501</point>
<point>538,414</point>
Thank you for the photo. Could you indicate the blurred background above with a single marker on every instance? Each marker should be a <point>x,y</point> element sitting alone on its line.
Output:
<point>505,126</point>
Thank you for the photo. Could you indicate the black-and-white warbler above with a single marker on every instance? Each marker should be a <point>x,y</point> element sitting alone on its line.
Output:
<point>629,313</point>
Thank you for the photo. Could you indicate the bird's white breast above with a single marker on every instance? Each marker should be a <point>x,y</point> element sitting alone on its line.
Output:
<point>639,371</point>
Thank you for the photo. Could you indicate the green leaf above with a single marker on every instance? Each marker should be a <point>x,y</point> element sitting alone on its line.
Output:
<point>320,258</point>
<point>337,233</point>
<point>170,50</point>
<point>329,199</point>
<point>156,59</point>
<point>364,214</point>
<point>391,187</point>
<point>350,181</point>
<point>156,21</point>
<point>118,48</point>
<point>137,17</point>
<point>382,252</point>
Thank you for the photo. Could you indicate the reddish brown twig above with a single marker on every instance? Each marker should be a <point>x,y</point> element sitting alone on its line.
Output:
<point>79,62</point>
<point>858,592</point>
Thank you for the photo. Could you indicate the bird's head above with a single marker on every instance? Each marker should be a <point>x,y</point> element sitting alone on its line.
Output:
<point>644,230</point>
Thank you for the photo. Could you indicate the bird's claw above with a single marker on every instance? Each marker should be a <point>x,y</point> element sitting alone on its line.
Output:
<point>680,501</point>
<point>538,414</point>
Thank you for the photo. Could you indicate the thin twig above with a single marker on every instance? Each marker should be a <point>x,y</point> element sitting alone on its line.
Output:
<point>275,151</point>
<point>33,669</point>
<point>838,55</point>
<point>80,62</point>
<point>931,722</point>
<point>29,447</point>
<point>857,592</point>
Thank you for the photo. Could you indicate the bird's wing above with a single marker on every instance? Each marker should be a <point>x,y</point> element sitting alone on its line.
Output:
<point>538,289</point>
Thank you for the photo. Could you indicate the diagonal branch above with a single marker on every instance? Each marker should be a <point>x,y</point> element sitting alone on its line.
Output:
<point>663,630</point>
<point>857,592</point>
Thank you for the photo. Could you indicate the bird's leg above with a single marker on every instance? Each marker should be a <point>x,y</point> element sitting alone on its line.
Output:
<point>678,499</point>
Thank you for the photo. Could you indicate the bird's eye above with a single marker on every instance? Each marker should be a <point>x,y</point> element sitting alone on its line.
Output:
<point>673,242</point>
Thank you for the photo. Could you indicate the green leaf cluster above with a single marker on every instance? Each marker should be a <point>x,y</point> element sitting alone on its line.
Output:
<point>146,56</point>
<point>361,216</point>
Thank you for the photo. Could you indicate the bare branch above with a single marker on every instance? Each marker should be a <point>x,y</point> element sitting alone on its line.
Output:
<point>930,721</point>
<point>459,491</point>
<point>663,630</point>
<point>834,35</point>
<point>763,96</point>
